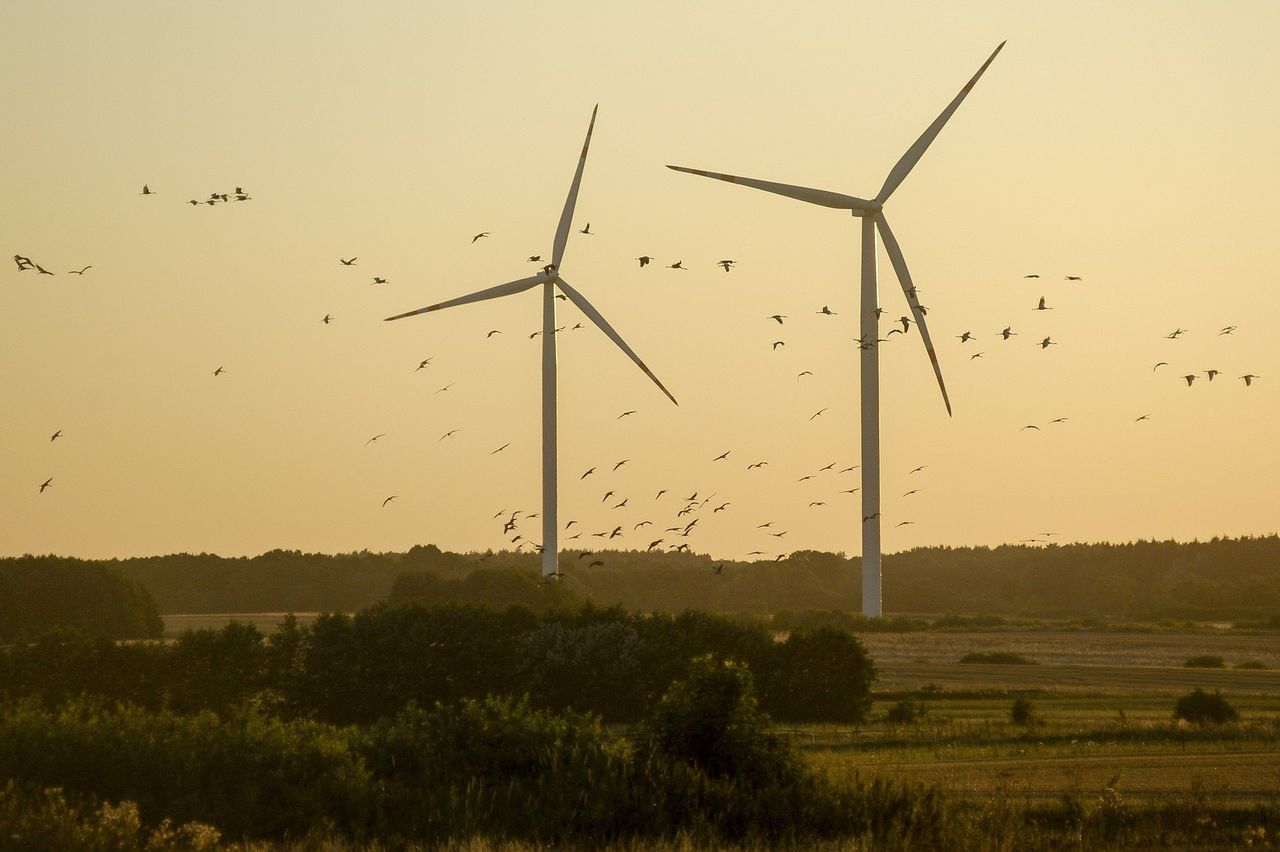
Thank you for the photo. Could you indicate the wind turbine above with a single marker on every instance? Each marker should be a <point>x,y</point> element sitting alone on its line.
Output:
<point>550,279</point>
<point>872,214</point>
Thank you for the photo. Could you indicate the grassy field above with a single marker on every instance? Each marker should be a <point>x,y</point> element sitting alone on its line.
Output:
<point>1103,704</point>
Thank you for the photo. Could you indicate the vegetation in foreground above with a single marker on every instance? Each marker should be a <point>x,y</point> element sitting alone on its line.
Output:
<point>702,770</point>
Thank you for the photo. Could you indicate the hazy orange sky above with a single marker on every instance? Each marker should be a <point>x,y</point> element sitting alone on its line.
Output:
<point>1132,144</point>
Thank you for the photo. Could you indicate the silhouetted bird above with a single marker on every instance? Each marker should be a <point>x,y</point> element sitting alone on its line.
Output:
<point>587,230</point>
<point>146,190</point>
<point>535,258</point>
<point>219,371</point>
<point>1032,275</point>
<point>345,262</point>
<point>1191,377</point>
<point>500,449</point>
<point>422,365</point>
<point>966,337</point>
<point>377,280</point>
<point>1248,379</point>
<point>1143,417</point>
<point>42,270</point>
<point>588,473</point>
<point>1211,373</point>
<point>1008,332</point>
<point>449,434</point>
<point>1042,306</point>
<point>624,414</point>
<point>48,483</point>
<point>644,260</point>
<point>388,500</point>
<point>1025,428</point>
<point>621,463</point>
<point>1176,333</point>
<point>80,271</point>
<point>727,264</point>
<point>480,235</point>
<point>778,317</point>
<point>1227,330</point>
<point>778,343</point>
<point>826,312</point>
<point>1073,278</point>
<point>492,333</point>
<point>1046,343</point>
<point>723,455</point>
<point>55,436</point>
<point>375,438</point>
<point>327,319</point>
<point>1159,364</point>
<point>817,413</point>
<point>679,264</point>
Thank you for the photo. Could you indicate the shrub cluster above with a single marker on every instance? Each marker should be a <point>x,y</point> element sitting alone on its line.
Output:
<point>357,669</point>
<point>40,594</point>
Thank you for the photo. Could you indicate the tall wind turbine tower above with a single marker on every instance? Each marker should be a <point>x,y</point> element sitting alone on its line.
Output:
<point>872,214</point>
<point>550,279</point>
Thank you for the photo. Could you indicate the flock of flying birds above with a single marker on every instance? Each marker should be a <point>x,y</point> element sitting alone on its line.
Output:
<point>684,513</point>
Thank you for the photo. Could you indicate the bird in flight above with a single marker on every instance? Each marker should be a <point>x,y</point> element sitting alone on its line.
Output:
<point>816,414</point>
<point>446,435</point>
<point>1248,379</point>
<point>55,436</point>
<point>500,449</point>
<point>588,473</point>
<point>606,496</point>
<point>1008,332</point>
<point>1159,364</point>
<point>534,258</point>
<point>624,414</point>
<point>912,491</point>
<point>1227,330</point>
<point>1032,275</point>
<point>778,317</point>
<point>80,271</point>
<point>644,260</point>
<point>727,264</point>
<point>723,455</point>
<point>903,523</point>
<point>803,478</point>
<point>1046,343</point>
<point>679,264</point>
<point>42,270</point>
<point>1042,306</point>
<point>48,483</point>
<point>1143,417</point>
<point>1025,428</point>
<point>1176,333</point>
<point>375,438</point>
<point>388,500</point>
<point>348,262</point>
<point>1073,278</point>
<point>445,388</point>
<point>219,371</point>
<point>1212,373</point>
<point>803,373</point>
<point>492,333</point>
<point>866,518</point>
<point>917,470</point>
<point>587,230</point>
<point>826,311</point>
<point>621,463</point>
<point>778,343</point>
<point>1190,377</point>
<point>1059,420</point>
<point>966,337</point>
<point>327,319</point>
<point>377,280</point>
<point>146,190</point>
<point>976,355</point>
<point>479,236</point>
<point>422,365</point>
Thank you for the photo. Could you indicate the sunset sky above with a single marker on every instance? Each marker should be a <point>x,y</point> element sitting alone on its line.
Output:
<point>1131,144</point>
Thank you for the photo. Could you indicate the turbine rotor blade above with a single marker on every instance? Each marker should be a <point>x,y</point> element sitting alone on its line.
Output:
<point>566,216</point>
<point>587,308</point>
<point>479,296</point>
<point>904,278</point>
<point>900,171</point>
<point>822,197</point>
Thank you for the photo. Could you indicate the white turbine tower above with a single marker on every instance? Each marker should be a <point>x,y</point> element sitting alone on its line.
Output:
<point>550,278</point>
<point>872,215</point>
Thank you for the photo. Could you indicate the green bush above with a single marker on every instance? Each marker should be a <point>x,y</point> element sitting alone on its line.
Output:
<point>905,712</point>
<point>1255,665</point>
<point>1022,712</point>
<point>711,721</point>
<point>43,593</point>
<point>1201,708</point>
<point>1205,661</point>
<point>821,675</point>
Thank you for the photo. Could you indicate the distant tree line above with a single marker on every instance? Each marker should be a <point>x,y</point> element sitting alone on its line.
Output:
<point>356,669</point>
<point>39,593</point>
<point>1224,578</point>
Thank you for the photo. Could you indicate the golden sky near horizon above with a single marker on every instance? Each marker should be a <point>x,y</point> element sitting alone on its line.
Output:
<point>1131,144</point>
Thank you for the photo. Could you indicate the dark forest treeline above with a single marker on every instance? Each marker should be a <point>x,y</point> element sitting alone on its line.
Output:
<point>1217,579</point>
<point>37,593</point>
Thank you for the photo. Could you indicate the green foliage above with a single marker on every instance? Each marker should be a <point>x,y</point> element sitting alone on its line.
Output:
<point>1022,712</point>
<point>1205,661</point>
<point>1200,708</point>
<point>711,721</point>
<point>1255,665</point>
<point>906,712</point>
<point>997,658</point>
<point>42,594</point>
<point>493,587</point>
<point>821,675</point>
<point>45,821</point>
